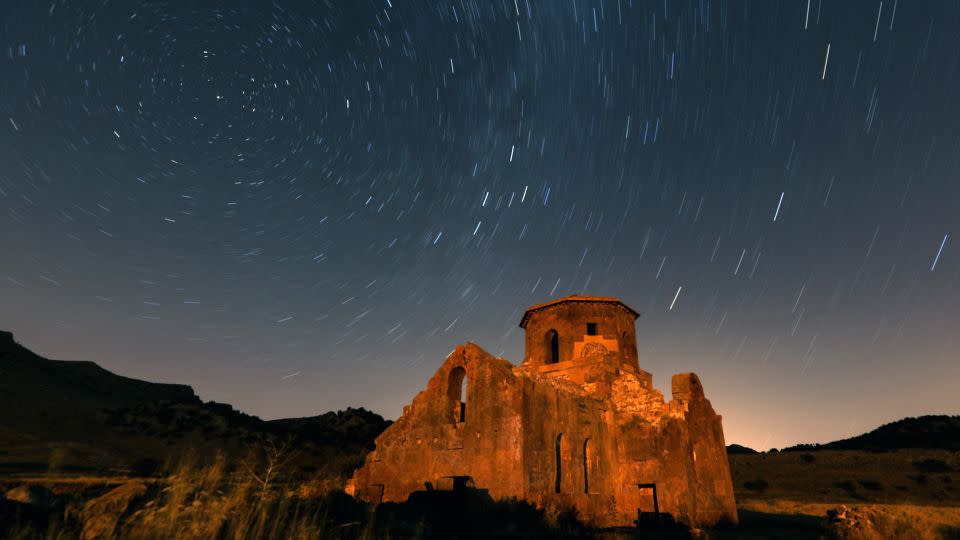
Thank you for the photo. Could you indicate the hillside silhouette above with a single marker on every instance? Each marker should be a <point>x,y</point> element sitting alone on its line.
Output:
<point>932,432</point>
<point>735,449</point>
<point>75,415</point>
<point>92,418</point>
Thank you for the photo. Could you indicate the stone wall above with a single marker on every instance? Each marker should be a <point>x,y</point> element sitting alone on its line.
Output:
<point>429,443</point>
<point>569,320</point>
<point>514,421</point>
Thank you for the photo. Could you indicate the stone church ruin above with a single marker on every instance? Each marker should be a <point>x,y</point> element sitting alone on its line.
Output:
<point>577,424</point>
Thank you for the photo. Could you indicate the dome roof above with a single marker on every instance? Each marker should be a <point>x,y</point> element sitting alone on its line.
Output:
<point>575,298</point>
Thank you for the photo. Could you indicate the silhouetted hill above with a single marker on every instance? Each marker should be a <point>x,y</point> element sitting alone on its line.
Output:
<point>356,426</point>
<point>27,377</point>
<point>939,432</point>
<point>77,415</point>
<point>737,449</point>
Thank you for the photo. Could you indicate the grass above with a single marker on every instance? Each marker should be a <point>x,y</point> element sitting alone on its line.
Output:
<point>917,477</point>
<point>201,502</point>
<point>877,521</point>
<point>906,494</point>
<point>272,495</point>
<point>264,499</point>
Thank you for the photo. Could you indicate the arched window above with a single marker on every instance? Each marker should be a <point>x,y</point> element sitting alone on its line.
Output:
<point>463,400</point>
<point>587,459</point>
<point>556,486</point>
<point>553,345</point>
<point>457,394</point>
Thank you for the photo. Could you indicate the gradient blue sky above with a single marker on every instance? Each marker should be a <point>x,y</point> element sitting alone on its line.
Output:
<point>298,207</point>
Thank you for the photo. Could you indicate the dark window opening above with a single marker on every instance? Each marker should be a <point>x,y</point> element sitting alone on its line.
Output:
<point>463,400</point>
<point>553,341</point>
<point>556,487</point>
<point>457,394</point>
<point>591,328</point>
<point>587,451</point>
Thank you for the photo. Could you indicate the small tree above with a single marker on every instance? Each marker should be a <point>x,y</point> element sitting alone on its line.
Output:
<point>276,455</point>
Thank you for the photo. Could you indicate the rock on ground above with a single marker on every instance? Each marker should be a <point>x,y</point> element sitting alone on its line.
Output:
<point>101,516</point>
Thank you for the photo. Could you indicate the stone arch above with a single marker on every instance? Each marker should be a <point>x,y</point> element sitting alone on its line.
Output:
<point>457,394</point>
<point>553,346</point>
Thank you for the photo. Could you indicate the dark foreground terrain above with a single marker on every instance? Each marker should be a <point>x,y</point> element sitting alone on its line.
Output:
<point>85,453</point>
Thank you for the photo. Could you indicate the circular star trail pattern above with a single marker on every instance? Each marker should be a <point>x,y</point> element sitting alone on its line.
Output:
<point>300,206</point>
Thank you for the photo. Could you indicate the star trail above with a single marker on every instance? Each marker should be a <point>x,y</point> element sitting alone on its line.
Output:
<point>302,206</point>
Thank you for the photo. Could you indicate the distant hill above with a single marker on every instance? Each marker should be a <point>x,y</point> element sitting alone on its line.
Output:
<point>355,426</point>
<point>932,432</point>
<point>938,432</point>
<point>737,449</point>
<point>79,416</point>
<point>38,395</point>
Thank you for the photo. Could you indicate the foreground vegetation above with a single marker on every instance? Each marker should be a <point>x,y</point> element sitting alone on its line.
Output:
<point>263,496</point>
<point>903,493</point>
<point>257,498</point>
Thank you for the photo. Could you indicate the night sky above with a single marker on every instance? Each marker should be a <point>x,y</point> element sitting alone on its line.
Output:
<point>301,206</point>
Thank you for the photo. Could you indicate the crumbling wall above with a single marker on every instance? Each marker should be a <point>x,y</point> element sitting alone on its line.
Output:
<point>616,436</point>
<point>429,444</point>
<point>711,484</point>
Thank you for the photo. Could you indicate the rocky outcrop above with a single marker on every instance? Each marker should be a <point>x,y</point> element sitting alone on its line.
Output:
<point>101,516</point>
<point>33,495</point>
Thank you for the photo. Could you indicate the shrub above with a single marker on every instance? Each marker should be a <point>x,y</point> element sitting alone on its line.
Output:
<point>807,458</point>
<point>759,485</point>
<point>871,485</point>
<point>144,467</point>
<point>873,522</point>
<point>847,486</point>
<point>931,465</point>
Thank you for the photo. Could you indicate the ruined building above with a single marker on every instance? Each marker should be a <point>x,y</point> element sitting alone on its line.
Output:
<point>578,423</point>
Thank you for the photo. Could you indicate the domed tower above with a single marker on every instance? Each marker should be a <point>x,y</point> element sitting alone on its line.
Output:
<point>578,337</point>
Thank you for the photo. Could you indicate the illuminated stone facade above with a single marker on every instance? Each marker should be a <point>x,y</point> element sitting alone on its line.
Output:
<point>578,423</point>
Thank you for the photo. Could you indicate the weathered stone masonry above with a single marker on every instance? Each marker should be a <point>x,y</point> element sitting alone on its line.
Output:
<point>578,423</point>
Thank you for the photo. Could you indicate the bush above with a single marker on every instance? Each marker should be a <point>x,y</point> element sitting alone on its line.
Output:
<point>144,467</point>
<point>931,466</point>
<point>807,458</point>
<point>875,522</point>
<point>871,485</point>
<point>847,486</point>
<point>759,485</point>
